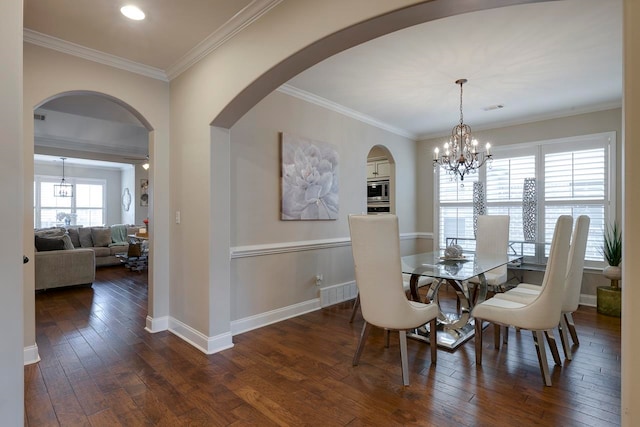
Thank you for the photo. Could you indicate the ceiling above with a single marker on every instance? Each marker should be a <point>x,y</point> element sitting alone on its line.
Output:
<point>538,60</point>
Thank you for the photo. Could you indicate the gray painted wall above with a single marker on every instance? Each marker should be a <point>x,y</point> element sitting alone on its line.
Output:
<point>11,192</point>
<point>264,283</point>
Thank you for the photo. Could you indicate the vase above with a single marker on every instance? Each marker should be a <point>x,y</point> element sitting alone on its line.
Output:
<point>613,273</point>
<point>529,210</point>
<point>479,204</point>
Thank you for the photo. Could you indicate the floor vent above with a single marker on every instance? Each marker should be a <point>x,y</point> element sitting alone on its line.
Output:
<point>337,293</point>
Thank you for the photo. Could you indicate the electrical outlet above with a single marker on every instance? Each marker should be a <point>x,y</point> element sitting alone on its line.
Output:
<point>319,279</point>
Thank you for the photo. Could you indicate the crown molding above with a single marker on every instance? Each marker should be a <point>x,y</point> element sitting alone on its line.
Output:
<point>79,144</point>
<point>322,102</point>
<point>233,26</point>
<point>604,106</point>
<point>74,49</point>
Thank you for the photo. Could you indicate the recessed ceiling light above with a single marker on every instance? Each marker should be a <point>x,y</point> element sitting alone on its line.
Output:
<point>132,12</point>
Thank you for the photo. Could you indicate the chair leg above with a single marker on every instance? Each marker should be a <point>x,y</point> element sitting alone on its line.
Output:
<point>363,337</point>
<point>542,357</point>
<point>404,358</point>
<point>356,305</point>
<point>563,329</point>
<point>551,340</point>
<point>386,338</point>
<point>572,328</point>
<point>496,336</point>
<point>433,341</point>
<point>478,339</point>
<point>505,335</point>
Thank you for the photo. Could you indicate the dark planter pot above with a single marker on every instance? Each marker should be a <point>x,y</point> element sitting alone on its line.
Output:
<point>609,301</point>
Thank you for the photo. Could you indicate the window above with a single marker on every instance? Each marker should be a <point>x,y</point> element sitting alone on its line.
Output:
<point>86,208</point>
<point>456,209</point>
<point>574,176</point>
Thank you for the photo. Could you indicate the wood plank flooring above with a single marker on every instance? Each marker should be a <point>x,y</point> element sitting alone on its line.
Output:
<point>99,367</point>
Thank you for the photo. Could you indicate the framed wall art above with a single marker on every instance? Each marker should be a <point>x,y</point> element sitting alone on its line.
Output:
<point>309,177</point>
<point>144,192</point>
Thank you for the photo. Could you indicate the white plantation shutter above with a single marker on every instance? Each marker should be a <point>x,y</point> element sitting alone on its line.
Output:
<point>574,177</point>
<point>576,184</point>
<point>456,209</point>
<point>505,183</point>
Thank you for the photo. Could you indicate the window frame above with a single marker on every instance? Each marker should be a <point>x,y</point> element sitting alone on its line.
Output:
<point>39,179</point>
<point>608,140</point>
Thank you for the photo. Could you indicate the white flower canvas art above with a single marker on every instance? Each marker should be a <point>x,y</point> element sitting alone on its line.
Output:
<point>310,184</point>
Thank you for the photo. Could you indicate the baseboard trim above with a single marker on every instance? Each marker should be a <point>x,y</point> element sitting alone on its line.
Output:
<point>31,354</point>
<point>338,293</point>
<point>263,319</point>
<point>157,324</point>
<point>207,345</point>
<point>588,300</point>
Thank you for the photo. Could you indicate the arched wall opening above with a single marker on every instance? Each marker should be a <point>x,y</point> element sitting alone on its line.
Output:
<point>31,352</point>
<point>247,95</point>
<point>381,182</point>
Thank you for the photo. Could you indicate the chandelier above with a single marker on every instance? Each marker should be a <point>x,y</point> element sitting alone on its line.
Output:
<point>460,155</point>
<point>63,189</point>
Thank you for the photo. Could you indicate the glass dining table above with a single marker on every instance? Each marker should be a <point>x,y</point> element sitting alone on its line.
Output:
<point>454,328</point>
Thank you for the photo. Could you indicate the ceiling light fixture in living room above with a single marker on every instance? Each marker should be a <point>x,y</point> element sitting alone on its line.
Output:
<point>63,189</point>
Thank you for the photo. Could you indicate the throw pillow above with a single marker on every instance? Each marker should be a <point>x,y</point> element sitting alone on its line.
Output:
<point>101,236</point>
<point>48,244</point>
<point>68,244</point>
<point>75,237</point>
<point>85,237</point>
<point>49,232</point>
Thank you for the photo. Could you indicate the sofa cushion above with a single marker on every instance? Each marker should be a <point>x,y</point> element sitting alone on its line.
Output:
<point>75,237</point>
<point>85,237</point>
<point>120,249</point>
<point>101,236</point>
<point>48,244</point>
<point>101,251</point>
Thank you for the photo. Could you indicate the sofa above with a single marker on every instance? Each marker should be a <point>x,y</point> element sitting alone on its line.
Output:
<point>67,257</point>
<point>106,242</point>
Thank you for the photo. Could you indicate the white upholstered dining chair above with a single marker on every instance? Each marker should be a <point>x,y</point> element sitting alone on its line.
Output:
<point>375,241</point>
<point>526,292</point>
<point>406,285</point>
<point>492,238</point>
<point>538,315</point>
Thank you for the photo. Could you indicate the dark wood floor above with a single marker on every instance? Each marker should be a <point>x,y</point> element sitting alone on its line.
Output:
<point>99,367</point>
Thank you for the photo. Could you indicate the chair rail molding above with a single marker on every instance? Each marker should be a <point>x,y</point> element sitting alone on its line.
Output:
<point>305,245</point>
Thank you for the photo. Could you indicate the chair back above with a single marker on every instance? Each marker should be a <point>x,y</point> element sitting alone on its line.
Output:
<point>375,242</point>
<point>544,311</point>
<point>573,283</point>
<point>492,238</point>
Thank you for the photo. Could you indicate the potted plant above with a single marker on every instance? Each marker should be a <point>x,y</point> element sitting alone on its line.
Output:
<point>609,297</point>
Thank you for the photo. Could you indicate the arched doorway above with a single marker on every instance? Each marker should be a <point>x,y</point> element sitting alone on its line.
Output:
<point>115,177</point>
<point>380,181</point>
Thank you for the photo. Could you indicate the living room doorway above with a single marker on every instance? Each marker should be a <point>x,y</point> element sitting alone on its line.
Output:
<point>99,147</point>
